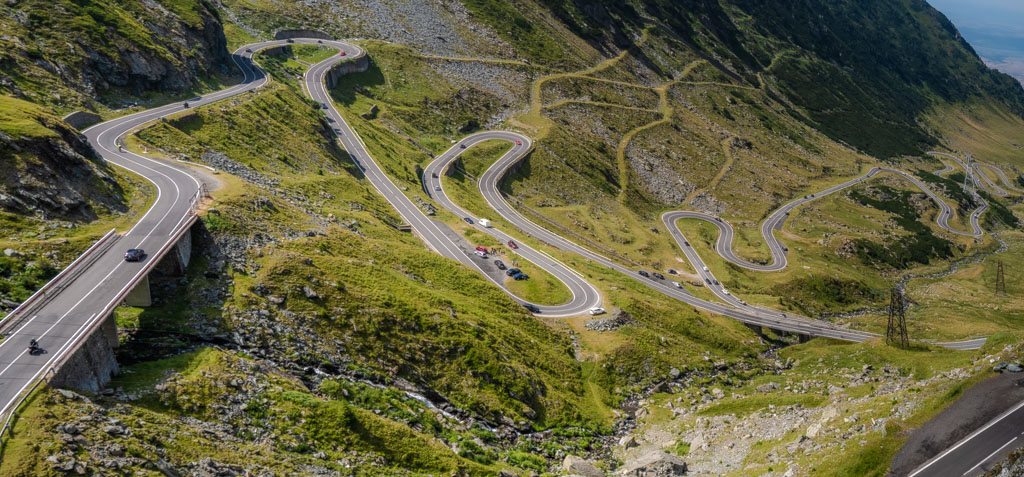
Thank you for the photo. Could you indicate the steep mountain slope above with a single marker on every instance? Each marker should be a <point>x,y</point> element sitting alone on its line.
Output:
<point>69,54</point>
<point>313,337</point>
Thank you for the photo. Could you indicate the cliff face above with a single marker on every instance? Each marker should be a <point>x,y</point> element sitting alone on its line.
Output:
<point>50,171</point>
<point>68,53</point>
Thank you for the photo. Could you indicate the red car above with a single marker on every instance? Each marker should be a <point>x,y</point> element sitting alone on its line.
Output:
<point>512,244</point>
<point>518,143</point>
<point>341,54</point>
<point>481,248</point>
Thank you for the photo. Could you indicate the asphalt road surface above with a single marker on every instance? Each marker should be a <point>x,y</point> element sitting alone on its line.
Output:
<point>584,295</point>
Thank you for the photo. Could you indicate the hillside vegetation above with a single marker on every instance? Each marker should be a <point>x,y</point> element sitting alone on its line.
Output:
<point>311,336</point>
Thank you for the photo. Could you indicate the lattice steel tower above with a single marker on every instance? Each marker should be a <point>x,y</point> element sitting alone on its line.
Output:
<point>896,332</point>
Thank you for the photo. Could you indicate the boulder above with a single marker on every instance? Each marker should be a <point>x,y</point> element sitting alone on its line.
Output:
<point>654,464</point>
<point>576,465</point>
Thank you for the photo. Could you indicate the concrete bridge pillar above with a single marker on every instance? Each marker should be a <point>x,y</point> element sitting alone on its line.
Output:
<point>139,296</point>
<point>804,338</point>
<point>756,329</point>
<point>91,367</point>
<point>780,333</point>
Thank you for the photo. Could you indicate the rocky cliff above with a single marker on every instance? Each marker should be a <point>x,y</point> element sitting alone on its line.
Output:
<point>68,54</point>
<point>50,169</point>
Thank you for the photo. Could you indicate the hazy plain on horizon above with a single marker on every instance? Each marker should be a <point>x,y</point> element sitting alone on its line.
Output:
<point>995,28</point>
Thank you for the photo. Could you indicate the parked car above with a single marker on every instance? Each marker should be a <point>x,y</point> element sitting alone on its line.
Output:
<point>531,307</point>
<point>468,220</point>
<point>643,273</point>
<point>512,244</point>
<point>134,255</point>
<point>658,276</point>
<point>481,254</point>
<point>672,271</point>
<point>520,276</point>
<point>481,248</point>
<point>499,264</point>
<point>597,311</point>
<point>512,271</point>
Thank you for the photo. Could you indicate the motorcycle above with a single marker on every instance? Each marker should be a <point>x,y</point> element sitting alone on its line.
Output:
<point>33,347</point>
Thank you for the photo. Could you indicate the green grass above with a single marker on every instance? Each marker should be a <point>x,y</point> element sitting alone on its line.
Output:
<point>20,119</point>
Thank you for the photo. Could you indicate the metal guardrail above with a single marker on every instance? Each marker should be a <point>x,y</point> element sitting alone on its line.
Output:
<point>11,317</point>
<point>69,348</point>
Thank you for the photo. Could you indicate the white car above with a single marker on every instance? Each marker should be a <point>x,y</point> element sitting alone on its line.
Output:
<point>597,311</point>
<point>725,291</point>
<point>481,254</point>
<point>678,284</point>
<point>706,268</point>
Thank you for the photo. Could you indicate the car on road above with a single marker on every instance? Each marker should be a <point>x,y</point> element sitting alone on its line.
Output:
<point>512,271</point>
<point>518,143</point>
<point>437,188</point>
<point>499,264</point>
<point>716,281</point>
<point>678,284</point>
<point>726,292</point>
<point>186,105</point>
<point>687,243</point>
<point>520,276</point>
<point>290,40</point>
<point>341,54</point>
<point>596,311</point>
<point>707,280</point>
<point>531,307</point>
<point>323,105</point>
<point>248,50</point>
<point>134,255</point>
<point>513,244</point>
<point>434,175</point>
<point>643,273</point>
<point>658,276</point>
<point>706,268</point>
<point>462,146</point>
<point>319,41</point>
<point>468,220</point>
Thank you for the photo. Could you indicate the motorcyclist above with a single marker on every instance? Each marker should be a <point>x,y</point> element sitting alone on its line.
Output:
<point>33,344</point>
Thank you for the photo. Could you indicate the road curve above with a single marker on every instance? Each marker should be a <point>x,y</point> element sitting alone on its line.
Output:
<point>585,296</point>
<point>79,299</point>
<point>583,292</point>
<point>775,221</point>
<point>733,307</point>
